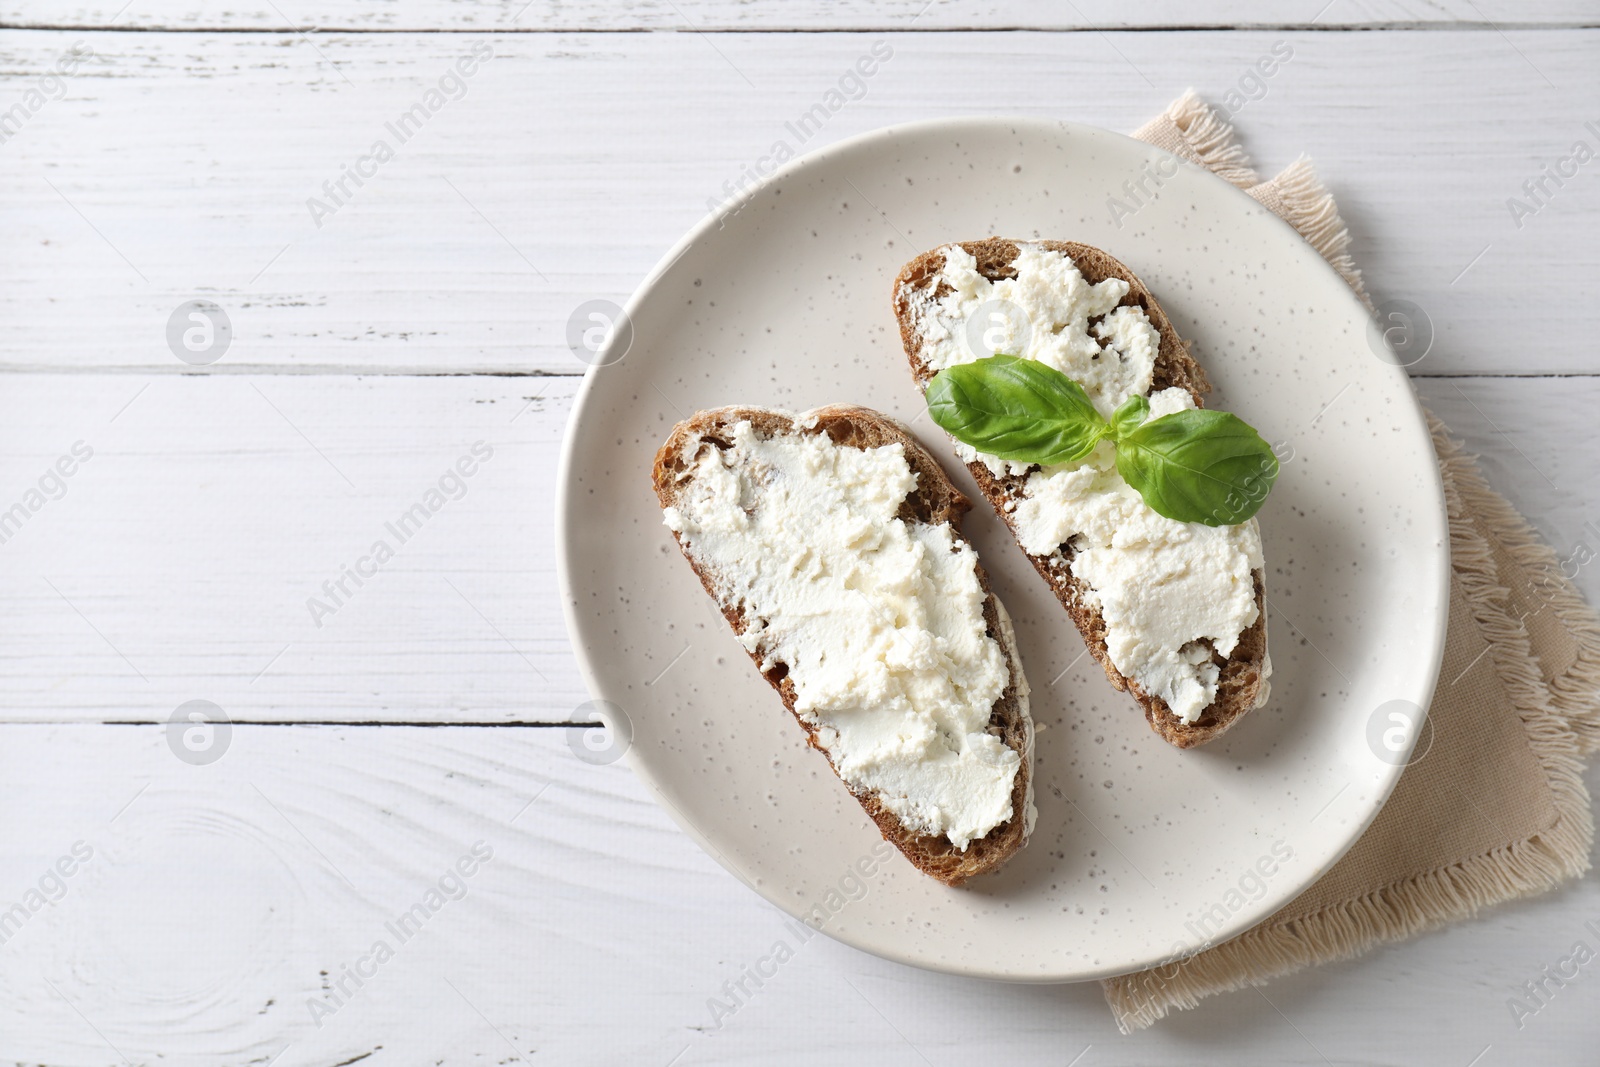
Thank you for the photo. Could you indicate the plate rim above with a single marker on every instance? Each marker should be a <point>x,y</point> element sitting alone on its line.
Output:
<point>1418,429</point>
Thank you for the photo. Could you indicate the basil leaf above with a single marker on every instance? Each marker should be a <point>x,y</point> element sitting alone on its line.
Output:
<point>1129,415</point>
<point>1016,409</point>
<point>1193,466</point>
<point>1198,466</point>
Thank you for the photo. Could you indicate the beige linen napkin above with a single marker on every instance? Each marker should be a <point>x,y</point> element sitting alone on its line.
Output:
<point>1496,808</point>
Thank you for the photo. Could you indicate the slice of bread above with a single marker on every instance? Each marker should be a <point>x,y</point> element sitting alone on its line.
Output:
<point>935,500</point>
<point>1243,683</point>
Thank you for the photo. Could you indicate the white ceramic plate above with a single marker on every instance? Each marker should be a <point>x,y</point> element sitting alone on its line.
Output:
<point>1141,852</point>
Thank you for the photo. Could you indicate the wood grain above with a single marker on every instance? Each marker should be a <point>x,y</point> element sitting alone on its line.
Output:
<point>179,165</point>
<point>731,15</point>
<point>221,899</point>
<point>179,562</point>
<point>219,902</point>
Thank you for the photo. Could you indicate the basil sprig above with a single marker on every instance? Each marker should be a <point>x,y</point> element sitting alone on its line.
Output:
<point>1017,409</point>
<point>1191,466</point>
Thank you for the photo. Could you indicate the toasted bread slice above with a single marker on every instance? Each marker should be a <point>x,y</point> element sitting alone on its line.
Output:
<point>1242,685</point>
<point>935,500</point>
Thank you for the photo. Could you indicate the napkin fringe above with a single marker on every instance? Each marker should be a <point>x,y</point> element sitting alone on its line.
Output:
<point>1549,726</point>
<point>1306,204</point>
<point>1346,930</point>
<point>1442,895</point>
<point>1575,692</point>
<point>1296,195</point>
<point>1212,139</point>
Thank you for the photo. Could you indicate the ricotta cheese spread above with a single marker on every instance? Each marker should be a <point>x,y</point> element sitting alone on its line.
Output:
<point>879,621</point>
<point>1164,587</point>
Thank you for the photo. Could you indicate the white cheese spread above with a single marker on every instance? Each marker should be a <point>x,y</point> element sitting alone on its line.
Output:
<point>879,621</point>
<point>1164,587</point>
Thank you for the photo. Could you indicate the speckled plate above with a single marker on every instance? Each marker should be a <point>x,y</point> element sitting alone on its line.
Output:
<point>1142,853</point>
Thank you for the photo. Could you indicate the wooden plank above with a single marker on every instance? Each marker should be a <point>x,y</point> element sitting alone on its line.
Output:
<point>1546,472</point>
<point>221,899</point>
<point>730,15</point>
<point>472,248</point>
<point>218,903</point>
<point>182,559</point>
<point>179,563</point>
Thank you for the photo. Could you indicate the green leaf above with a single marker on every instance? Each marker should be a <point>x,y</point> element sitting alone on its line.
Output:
<point>1133,411</point>
<point>1192,466</point>
<point>1016,409</point>
<point>1198,466</point>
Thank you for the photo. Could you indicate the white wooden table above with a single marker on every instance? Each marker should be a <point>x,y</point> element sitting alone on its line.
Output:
<point>210,904</point>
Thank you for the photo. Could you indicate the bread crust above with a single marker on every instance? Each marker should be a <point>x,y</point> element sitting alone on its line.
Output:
<point>1243,683</point>
<point>935,500</point>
